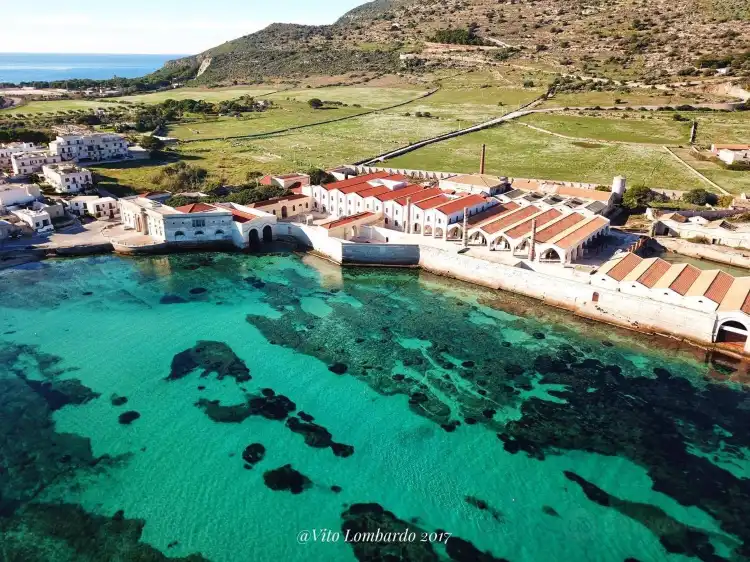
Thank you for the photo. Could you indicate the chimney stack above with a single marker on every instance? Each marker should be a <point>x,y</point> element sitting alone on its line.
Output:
<point>466,228</point>
<point>484,154</point>
<point>532,249</point>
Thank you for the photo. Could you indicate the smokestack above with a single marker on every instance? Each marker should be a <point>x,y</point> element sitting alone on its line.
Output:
<point>466,228</point>
<point>484,155</point>
<point>532,249</point>
<point>407,217</point>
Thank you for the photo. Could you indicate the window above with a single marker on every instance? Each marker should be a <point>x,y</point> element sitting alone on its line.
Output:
<point>179,233</point>
<point>199,223</point>
<point>219,232</point>
<point>199,233</point>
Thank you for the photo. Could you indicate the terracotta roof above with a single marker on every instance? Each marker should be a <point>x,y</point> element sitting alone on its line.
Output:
<point>356,188</point>
<point>396,193</point>
<point>460,204</point>
<point>237,215</point>
<point>525,227</point>
<point>378,190</point>
<point>581,232</point>
<point>658,268</point>
<point>432,202</point>
<point>511,218</point>
<point>481,180</point>
<point>196,208</point>
<point>685,279</point>
<point>353,181</point>
<point>526,185</point>
<point>346,220</point>
<point>496,211</point>
<point>624,267</point>
<point>584,193</point>
<point>419,196</point>
<point>275,200</point>
<point>732,146</point>
<point>555,228</point>
<point>720,287</point>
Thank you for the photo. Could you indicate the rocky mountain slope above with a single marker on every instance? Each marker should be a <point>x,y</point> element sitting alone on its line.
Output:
<point>646,39</point>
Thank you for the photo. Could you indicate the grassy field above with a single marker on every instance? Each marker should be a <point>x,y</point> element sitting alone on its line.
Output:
<point>636,97</point>
<point>323,146</point>
<point>208,94</point>
<point>516,151</point>
<point>723,127</point>
<point>367,97</point>
<point>636,127</point>
<point>733,181</point>
<point>54,106</point>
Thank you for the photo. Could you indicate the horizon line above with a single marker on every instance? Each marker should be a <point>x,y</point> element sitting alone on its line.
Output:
<point>101,54</point>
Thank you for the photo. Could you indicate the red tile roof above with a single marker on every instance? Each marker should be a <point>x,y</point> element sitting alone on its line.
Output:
<point>654,272</point>
<point>495,211</point>
<point>346,220</point>
<point>552,230</point>
<point>581,233</point>
<point>396,193</point>
<point>719,287</point>
<point>432,202</point>
<point>275,200</point>
<point>353,181</point>
<point>460,204</point>
<point>511,218</point>
<point>685,279</point>
<point>625,266</point>
<point>196,208</point>
<point>525,227</point>
<point>378,190</point>
<point>419,196</point>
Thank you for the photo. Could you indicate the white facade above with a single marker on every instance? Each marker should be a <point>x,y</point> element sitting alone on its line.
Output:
<point>40,220</point>
<point>67,178</point>
<point>734,156</point>
<point>18,194</point>
<point>25,163</point>
<point>7,150</point>
<point>167,224</point>
<point>103,208</point>
<point>90,147</point>
<point>77,205</point>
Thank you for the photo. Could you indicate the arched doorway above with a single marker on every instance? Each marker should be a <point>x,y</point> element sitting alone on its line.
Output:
<point>455,233</point>
<point>733,332</point>
<point>550,255</point>
<point>283,212</point>
<point>417,228</point>
<point>254,239</point>
<point>500,244</point>
<point>267,233</point>
<point>522,249</point>
<point>428,230</point>
<point>438,232</point>
<point>477,239</point>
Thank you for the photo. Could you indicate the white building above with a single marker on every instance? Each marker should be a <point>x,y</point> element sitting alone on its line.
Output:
<point>720,231</point>
<point>735,156</point>
<point>67,178</point>
<point>7,150</point>
<point>18,194</point>
<point>94,147</point>
<point>475,183</point>
<point>39,220</point>
<point>25,163</point>
<point>287,181</point>
<point>194,223</point>
<point>103,208</point>
<point>250,225</point>
<point>77,205</point>
<point>285,206</point>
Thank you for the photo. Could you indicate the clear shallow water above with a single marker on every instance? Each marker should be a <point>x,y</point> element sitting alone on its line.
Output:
<point>37,67</point>
<point>467,411</point>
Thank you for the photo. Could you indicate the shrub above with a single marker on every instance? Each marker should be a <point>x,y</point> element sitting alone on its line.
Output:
<point>637,197</point>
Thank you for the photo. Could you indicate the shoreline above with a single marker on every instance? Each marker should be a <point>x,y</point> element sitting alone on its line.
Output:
<point>596,314</point>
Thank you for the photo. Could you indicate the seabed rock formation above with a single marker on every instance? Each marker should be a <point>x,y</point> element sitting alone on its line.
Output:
<point>286,479</point>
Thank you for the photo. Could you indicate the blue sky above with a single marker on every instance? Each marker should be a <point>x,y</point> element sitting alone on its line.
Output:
<point>149,26</point>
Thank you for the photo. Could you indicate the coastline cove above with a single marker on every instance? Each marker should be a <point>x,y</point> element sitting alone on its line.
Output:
<point>200,407</point>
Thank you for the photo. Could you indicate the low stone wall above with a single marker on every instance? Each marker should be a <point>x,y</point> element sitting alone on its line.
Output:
<point>381,254</point>
<point>84,250</point>
<point>173,248</point>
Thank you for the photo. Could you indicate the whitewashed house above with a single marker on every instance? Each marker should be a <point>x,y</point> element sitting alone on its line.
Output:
<point>67,178</point>
<point>94,147</point>
<point>18,194</point>
<point>25,163</point>
<point>7,150</point>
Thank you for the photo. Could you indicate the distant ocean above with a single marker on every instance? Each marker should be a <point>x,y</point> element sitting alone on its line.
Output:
<point>23,67</point>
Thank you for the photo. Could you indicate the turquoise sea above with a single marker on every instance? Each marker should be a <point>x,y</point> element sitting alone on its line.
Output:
<point>239,408</point>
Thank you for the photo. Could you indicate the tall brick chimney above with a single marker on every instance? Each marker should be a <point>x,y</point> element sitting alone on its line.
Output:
<point>481,163</point>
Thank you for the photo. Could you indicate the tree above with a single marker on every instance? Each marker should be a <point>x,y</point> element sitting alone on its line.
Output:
<point>150,142</point>
<point>637,197</point>
<point>699,196</point>
<point>319,177</point>
<point>315,103</point>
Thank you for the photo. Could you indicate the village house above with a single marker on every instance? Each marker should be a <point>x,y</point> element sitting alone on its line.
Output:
<point>735,157</point>
<point>67,178</point>
<point>39,220</point>
<point>7,150</point>
<point>287,181</point>
<point>717,148</point>
<point>77,205</point>
<point>88,147</point>
<point>32,162</point>
<point>475,183</point>
<point>286,206</point>
<point>719,231</point>
<point>197,222</point>
<point>12,194</point>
